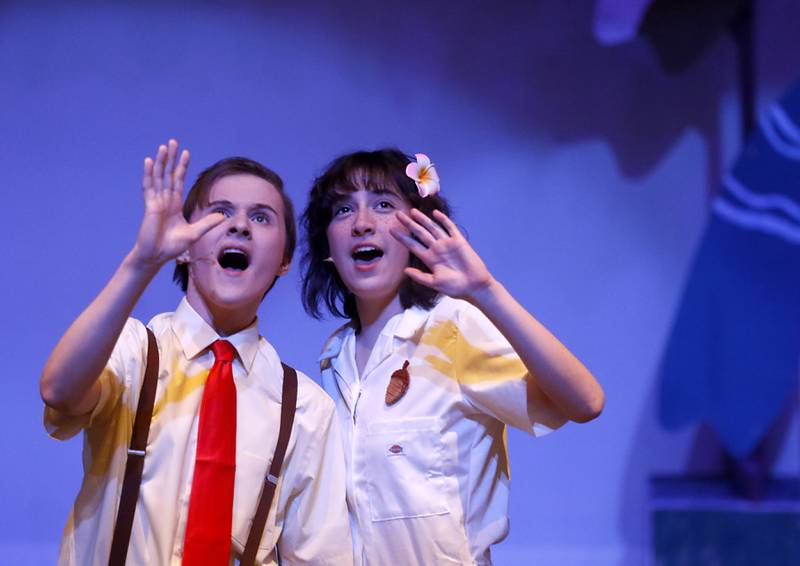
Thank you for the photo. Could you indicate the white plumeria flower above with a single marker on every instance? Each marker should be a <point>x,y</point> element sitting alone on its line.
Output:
<point>424,174</point>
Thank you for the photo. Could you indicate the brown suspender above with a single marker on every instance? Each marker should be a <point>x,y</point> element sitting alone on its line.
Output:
<point>136,453</point>
<point>288,404</point>
<point>135,463</point>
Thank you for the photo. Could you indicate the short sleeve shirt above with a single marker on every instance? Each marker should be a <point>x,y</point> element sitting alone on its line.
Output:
<point>428,476</point>
<point>308,519</point>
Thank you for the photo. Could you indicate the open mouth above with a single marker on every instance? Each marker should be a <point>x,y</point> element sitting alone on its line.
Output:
<point>231,258</point>
<point>367,254</point>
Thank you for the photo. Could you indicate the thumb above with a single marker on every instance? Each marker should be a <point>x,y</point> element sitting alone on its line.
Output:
<point>420,276</point>
<point>203,225</point>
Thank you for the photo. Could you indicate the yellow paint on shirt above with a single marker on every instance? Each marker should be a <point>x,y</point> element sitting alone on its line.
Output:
<point>179,387</point>
<point>111,429</point>
<point>503,467</point>
<point>70,526</point>
<point>115,420</point>
<point>465,362</point>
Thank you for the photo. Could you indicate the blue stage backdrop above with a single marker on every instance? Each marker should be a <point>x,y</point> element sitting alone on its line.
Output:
<point>580,171</point>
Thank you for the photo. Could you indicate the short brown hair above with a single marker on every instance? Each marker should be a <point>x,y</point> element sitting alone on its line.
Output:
<point>370,170</point>
<point>198,198</point>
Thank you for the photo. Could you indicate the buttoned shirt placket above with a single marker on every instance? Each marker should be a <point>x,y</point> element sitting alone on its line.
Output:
<point>351,386</point>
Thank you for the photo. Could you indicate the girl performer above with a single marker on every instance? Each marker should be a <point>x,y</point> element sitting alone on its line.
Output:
<point>436,360</point>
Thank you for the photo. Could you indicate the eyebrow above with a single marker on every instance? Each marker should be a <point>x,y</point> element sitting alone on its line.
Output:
<point>380,191</point>
<point>340,198</point>
<point>384,191</point>
<point>229,204</point>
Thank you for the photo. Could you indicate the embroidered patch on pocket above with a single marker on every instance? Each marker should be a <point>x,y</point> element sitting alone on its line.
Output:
<point>395,450</point>
<point>404,462</point>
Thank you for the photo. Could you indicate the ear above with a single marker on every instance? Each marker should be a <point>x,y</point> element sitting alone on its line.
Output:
<point>183,258</point>
<point>284,269</point>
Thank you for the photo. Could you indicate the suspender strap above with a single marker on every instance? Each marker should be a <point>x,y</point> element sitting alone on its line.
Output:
<point>288,406</point>
<point>135,463</point>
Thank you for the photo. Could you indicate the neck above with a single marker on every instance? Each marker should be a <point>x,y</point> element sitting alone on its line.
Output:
<point>373,314</point>
<point>225,322</point>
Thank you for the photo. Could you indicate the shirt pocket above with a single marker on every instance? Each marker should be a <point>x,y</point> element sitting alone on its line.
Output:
<point>405,469</point>
<point>251,469</point>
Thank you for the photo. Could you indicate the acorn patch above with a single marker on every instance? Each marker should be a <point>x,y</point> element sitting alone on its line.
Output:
<point>398,385</point>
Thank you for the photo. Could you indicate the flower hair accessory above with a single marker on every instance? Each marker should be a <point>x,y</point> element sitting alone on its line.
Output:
<point>424,175</point>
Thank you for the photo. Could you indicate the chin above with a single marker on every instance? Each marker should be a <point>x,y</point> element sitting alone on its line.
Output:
<point>233,302</point>
<point>231,299</point>
<point>242,290</point>
<point>376,290</point>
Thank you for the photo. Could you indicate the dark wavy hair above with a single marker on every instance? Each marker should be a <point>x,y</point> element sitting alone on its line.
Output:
<point>370,170</point>
<point>198,198</point>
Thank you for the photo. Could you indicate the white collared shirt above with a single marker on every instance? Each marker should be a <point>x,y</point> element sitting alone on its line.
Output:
<point>308,519</point>
<point>428,476</point>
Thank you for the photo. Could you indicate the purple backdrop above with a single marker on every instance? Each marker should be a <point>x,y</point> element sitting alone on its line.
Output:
<point>580,171</point>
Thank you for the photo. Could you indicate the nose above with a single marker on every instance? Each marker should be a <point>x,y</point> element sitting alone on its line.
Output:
<point>363,223</point>
<point>239,225</point>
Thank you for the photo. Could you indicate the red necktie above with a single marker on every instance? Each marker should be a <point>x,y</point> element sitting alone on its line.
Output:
<point>208,526</point>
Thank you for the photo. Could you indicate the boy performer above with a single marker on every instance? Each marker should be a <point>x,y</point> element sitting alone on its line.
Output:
<point>218,396</point>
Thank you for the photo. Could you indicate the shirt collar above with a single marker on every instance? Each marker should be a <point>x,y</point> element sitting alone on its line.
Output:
<point>411,320</point>
<point>334,344</point>
<point>195,335</point>
<point>410,323</point>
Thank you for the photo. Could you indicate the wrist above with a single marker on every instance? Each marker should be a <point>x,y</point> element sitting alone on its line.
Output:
<point>141,264</point>
<point>485,294</point>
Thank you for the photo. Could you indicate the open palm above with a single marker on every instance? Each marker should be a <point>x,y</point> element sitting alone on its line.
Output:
<point>164,233</point>
<point>455,268</point>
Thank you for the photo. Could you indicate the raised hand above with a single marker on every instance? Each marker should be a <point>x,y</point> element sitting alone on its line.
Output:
<point>557,377</point>
<point>164,233</point>
<point>456,269</point>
